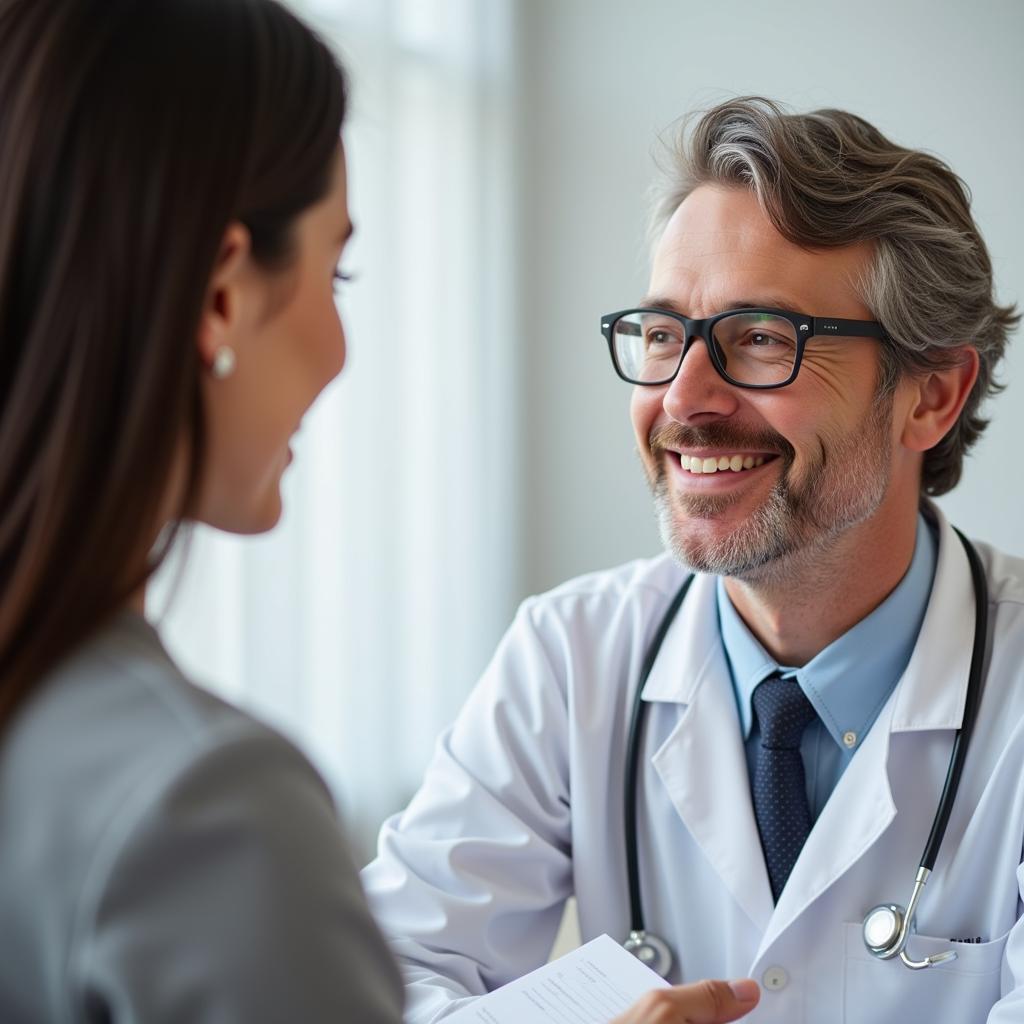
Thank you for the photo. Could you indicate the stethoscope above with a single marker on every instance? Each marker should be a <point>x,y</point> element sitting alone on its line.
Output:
<point>887,926</point>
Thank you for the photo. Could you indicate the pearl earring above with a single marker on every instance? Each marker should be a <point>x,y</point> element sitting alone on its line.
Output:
<point>223,363</point>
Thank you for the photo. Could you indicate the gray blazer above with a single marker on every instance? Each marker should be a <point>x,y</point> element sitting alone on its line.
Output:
<point>164,857</point>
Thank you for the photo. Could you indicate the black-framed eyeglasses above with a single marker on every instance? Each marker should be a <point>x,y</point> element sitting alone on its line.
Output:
<point>751,348</point>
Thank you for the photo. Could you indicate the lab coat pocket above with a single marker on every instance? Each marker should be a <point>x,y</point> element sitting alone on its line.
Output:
<point>882,991</point>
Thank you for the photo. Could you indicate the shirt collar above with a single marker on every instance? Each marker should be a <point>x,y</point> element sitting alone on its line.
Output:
<point>850,680</point>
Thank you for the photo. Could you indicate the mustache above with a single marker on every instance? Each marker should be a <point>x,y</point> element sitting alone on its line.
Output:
<point>673,436</point>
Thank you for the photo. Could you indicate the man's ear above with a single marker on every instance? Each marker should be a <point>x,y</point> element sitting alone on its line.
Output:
<point>938,397</point>
<point>222,315</point>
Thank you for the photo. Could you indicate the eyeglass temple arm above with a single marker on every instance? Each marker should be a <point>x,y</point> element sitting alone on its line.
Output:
<point>823,326</point>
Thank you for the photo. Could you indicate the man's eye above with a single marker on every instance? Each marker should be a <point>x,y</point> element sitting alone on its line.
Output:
<point>761,340</point>
<point>660,338</point>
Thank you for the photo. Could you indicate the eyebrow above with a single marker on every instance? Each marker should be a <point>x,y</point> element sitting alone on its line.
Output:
<point>764,302</point>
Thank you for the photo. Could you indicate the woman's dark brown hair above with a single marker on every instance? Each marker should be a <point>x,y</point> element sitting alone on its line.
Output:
<point>132,132</point>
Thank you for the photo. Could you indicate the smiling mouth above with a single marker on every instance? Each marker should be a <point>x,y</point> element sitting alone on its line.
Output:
<point>699,465</point>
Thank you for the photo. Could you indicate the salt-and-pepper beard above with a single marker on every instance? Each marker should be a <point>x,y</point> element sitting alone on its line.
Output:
<point>844,485</point>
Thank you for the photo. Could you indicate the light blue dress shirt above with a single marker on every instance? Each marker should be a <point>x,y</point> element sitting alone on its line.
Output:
<point>847,682</point>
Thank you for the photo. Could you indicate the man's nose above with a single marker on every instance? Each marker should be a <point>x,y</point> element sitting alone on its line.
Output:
<point>698,390</point>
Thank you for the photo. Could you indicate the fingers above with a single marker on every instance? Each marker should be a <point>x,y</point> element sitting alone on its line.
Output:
<point>703,1002</point>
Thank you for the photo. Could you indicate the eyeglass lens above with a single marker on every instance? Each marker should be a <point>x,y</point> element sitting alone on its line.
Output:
<point>752,347</point>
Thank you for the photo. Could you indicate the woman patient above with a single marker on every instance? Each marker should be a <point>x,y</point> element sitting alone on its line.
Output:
<point>172,213</point>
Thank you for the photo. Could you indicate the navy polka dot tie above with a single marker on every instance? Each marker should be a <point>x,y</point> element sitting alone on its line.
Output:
<point>780,791</point>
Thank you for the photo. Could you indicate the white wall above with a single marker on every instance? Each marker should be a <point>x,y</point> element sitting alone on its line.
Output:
<point>602,78</point>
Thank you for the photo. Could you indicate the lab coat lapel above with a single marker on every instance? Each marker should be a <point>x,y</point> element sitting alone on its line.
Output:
<point>929,696</point>
<point>702,763</point>
<point>933,691</point>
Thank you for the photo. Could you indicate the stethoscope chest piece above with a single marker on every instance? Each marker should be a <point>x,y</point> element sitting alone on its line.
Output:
<point>882,929</point>
<point>888,926</point>
<point>650,951</point>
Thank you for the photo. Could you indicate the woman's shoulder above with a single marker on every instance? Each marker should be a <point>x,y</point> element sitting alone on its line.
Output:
<point>111,727</point>
<point>115,720</point>
<point>134,806</point>
<point>126,671</point>
<point>121,692</point>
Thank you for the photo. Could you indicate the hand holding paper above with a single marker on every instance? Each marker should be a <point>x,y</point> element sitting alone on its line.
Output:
<point>702,1002</point>
<point>597,981</point>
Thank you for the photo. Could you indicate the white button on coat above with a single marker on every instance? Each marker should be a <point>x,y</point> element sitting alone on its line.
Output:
<point>775,978</point>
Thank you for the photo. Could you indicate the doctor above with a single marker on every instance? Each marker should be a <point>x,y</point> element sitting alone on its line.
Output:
<point>799,715</point>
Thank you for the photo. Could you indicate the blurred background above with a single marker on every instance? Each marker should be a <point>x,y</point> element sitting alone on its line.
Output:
<point>477,447</point>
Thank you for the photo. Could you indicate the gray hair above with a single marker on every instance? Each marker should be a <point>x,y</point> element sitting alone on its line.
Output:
<point>828,179</point>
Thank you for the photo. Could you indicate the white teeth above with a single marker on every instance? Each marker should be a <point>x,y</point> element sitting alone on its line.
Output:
<point>736,463</point>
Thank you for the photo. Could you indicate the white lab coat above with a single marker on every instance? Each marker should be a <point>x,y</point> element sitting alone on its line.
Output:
<point>522,806</point>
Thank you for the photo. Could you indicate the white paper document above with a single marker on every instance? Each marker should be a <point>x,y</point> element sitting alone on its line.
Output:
<point>591,985</point>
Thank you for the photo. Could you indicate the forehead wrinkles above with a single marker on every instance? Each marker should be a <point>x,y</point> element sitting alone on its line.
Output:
<point>737,236</point>
<point>682,248</point>
<point>722,269</point>
<point>703,284</point>
<point>714,222</point>
<point>719,248</point>
<point>709,256</point>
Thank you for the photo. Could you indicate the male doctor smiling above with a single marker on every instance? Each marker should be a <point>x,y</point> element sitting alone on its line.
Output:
<point>800,713</point>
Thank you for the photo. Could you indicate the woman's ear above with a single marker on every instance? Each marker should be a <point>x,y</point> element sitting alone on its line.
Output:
<point>224,306</point>
<point>938,398</point>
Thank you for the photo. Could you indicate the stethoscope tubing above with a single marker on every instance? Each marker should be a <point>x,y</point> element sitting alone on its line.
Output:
<point>633,760</point>
<point>975,685</point>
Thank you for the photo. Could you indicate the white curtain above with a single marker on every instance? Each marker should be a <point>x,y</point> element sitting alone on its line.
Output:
<point>360,623</point>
